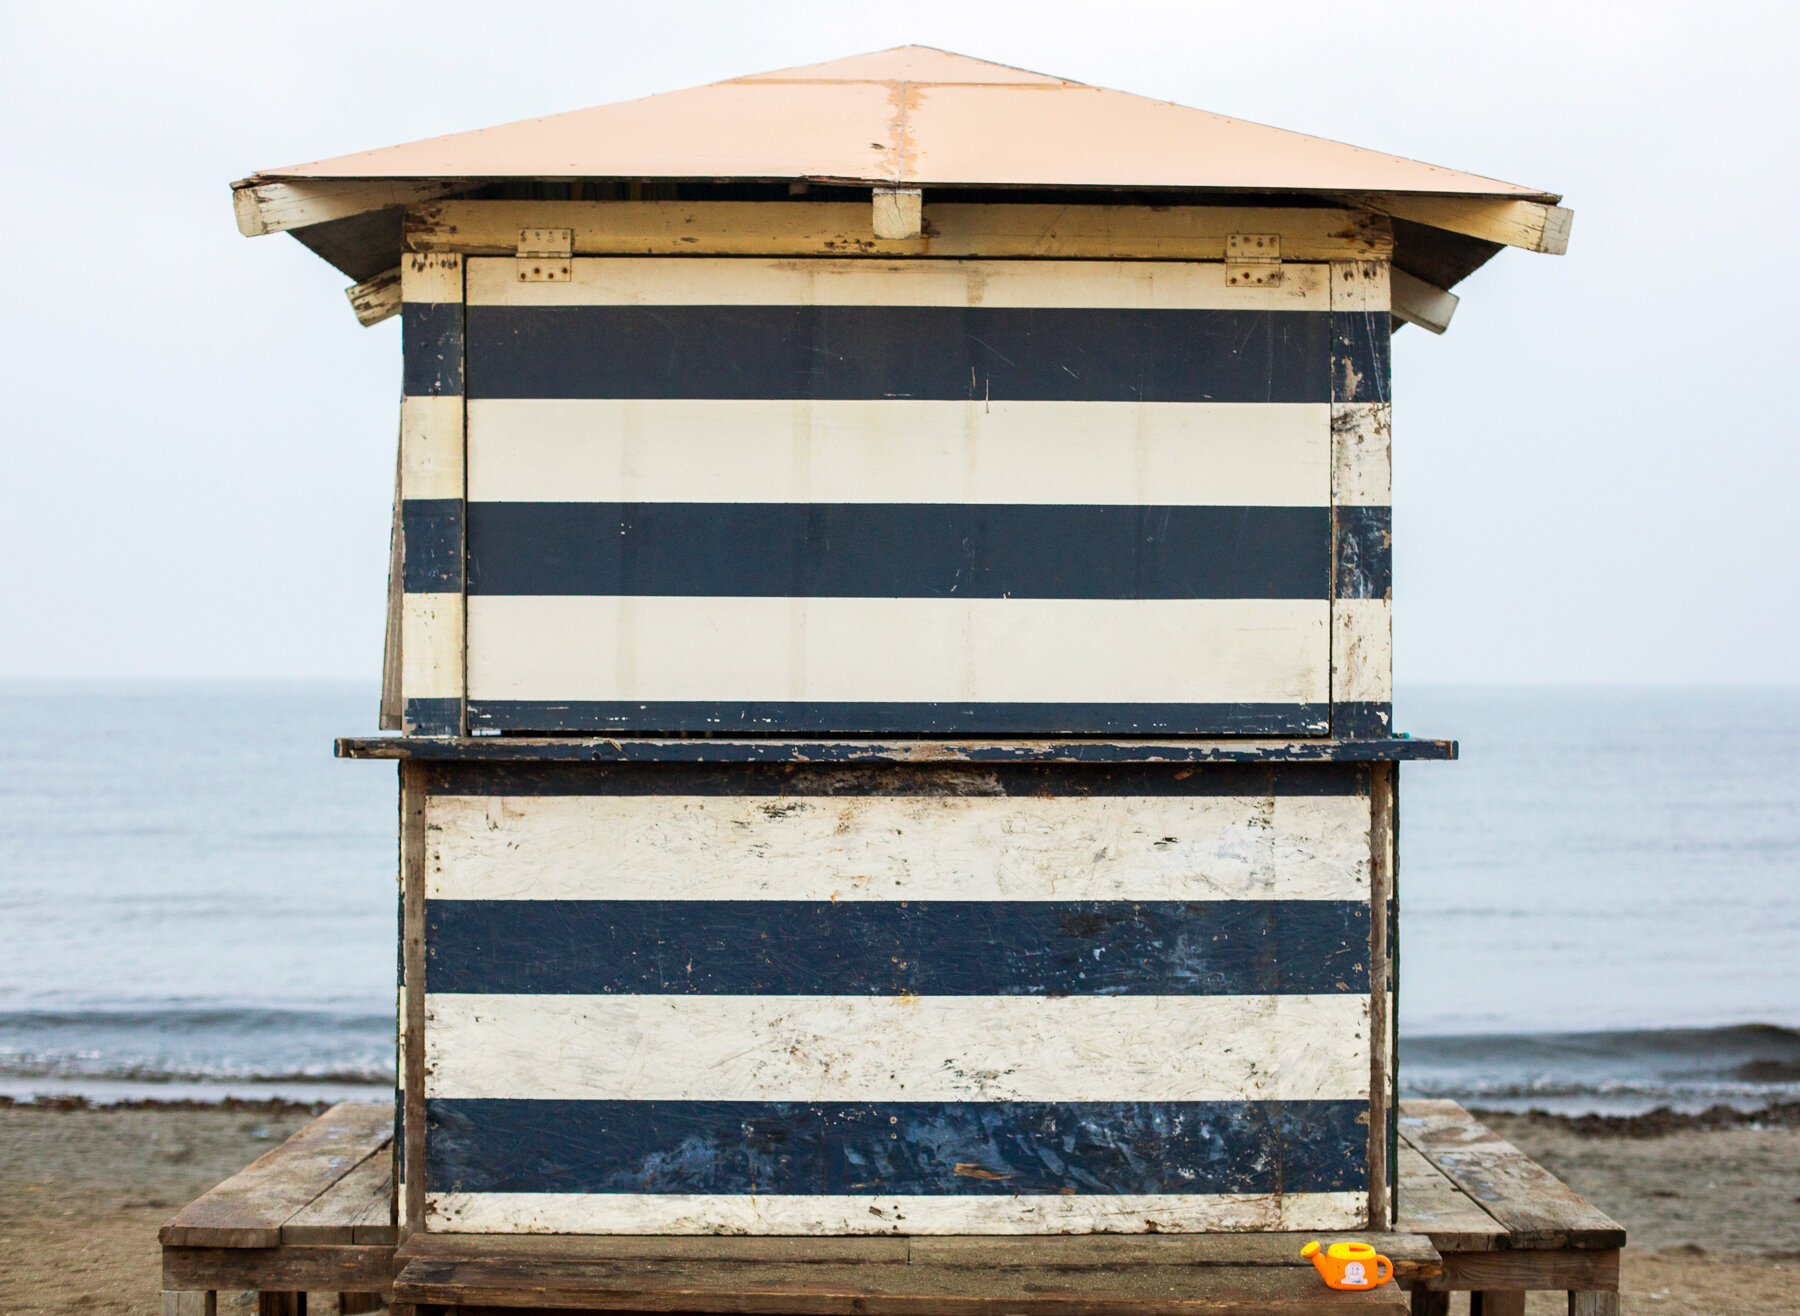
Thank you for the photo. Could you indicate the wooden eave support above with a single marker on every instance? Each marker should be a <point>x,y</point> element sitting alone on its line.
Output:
<point>1528,225</point>
<point>275,207</point>
<point>956,230</point>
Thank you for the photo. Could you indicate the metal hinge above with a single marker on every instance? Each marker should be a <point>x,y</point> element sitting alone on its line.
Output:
<point>1252,260</point>
<point>546,255</point>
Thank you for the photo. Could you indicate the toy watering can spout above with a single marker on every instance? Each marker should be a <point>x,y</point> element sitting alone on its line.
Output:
<point>1349,1265</point>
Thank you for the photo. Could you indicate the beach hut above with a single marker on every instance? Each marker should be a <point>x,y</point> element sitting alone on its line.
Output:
<point>889,630</point>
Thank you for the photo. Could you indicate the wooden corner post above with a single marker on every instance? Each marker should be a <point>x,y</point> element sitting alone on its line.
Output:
<point>410,1132</point>
<point>1382,1112</point>
<point>431,495</point>
<point>1362,685</point>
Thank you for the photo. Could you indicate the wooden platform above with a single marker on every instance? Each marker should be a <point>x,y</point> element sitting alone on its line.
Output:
<point>316,1215</point>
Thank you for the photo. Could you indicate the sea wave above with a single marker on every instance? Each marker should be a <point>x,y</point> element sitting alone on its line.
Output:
<point>1746,1065</point>
<point>196,1044</point>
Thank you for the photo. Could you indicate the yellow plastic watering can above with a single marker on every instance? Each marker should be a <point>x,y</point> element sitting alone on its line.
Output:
<point>1349,1265</point>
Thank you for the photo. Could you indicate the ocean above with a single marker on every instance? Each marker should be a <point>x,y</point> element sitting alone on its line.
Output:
<point>1599,904</point>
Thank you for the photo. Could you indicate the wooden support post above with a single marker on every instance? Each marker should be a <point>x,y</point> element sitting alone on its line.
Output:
<point>1594,1302</point>
<point>1381,880</point>
<point>412,996</point>
<point>280,1304</point>
<point>1488,1302</point>
<point>196,1302</point>
<point>432,488</point>
<point>1430,1302</point>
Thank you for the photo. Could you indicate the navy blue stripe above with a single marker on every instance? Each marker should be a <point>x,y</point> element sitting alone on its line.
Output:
<point>1361,356</point>
<point>1077,781</point>
<point>431,532</point>
<point>942,352</point>
<point>1365,553</point>
<point>906,1148</point>
<point>896,948</point>
<point>871,718</point>
<point>431,349</point>
<point>434,717</point>
<point>1364,720</point>
<point>900,550</point>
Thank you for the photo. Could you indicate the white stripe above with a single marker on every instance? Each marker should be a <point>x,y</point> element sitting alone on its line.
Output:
<point>431,447</point>
<point>1361,473</point>
<point>1035,1213</point>
<point>431,642</point>
<point>604,450</point>
<point>1362,643</point>
<point>898,1048</point>
<point>885,847</point>
<point>738,281</point>
<point>933,650</point>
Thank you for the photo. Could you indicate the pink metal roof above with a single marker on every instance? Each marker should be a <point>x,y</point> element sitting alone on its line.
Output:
<point>912,115</point>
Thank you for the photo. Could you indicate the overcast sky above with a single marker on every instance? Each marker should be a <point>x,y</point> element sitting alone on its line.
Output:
<point>1595,470</point>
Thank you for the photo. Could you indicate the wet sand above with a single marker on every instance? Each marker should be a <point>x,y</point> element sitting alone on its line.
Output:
<point>1714,1213</point>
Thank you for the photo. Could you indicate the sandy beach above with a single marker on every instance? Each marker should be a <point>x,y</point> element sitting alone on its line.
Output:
<point>1714,1213</point>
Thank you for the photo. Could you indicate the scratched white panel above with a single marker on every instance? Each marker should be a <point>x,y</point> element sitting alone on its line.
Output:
<point>909,1048</point>
<point>1157,651</point>
<point>702,281</point>
<point>682,1213</point>
<point>1260,454</point>
<point>841,847</point>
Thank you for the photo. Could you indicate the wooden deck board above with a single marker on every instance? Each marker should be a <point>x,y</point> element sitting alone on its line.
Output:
<point>358,1208</point>
<point>1536,1209</point>
<point>830,1289</point>
<point>249,1209</point>
<point>1413,1255</point>
<point>1431,1205</point>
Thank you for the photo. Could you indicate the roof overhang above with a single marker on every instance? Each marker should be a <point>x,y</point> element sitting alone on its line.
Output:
<point>911,118</point>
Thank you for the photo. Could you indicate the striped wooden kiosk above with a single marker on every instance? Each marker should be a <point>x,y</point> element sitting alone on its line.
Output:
<point>891,657</point>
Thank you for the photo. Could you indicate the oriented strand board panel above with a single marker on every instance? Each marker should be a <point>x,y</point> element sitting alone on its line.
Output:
<point>681,999</point>
<point>898,497</point>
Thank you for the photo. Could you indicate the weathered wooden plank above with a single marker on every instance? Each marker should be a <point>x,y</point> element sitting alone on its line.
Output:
<point>1430,1204</point>
<point>274,207</point>
<point>412,994</point>
<point>249,1209</point>
<point>898,213</point>
<point>1537,1209</point>
<point>827,1290</point>
<point>1412,1254</point>
<point>1382,843</point>
<point>334,1268</point>
<point>376,299</point>
<point>1498,1302</point>
<point>189,1302</point>
<point>738,1211</point>
<point>638,749</point>
<point>1523,1269</point>
<point>941,1049</point>
<point>743,228</point>
<point>1530,225</point>
<point>392,713</point>
<point>358,1204</point>
<point>516,847</point>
